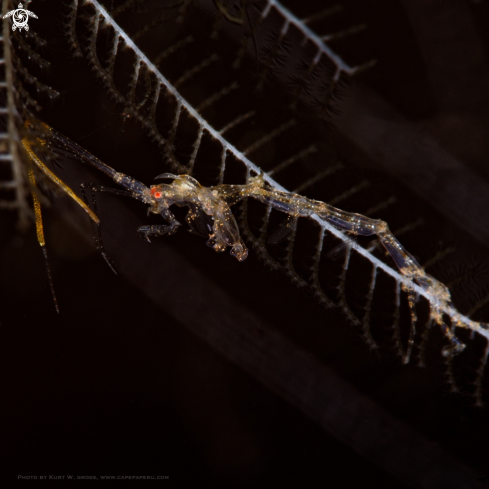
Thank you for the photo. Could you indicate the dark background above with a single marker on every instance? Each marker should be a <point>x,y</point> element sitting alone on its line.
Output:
<point>117,384</point>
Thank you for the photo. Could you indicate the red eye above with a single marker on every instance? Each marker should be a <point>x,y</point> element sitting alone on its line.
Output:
<point>156,193</point>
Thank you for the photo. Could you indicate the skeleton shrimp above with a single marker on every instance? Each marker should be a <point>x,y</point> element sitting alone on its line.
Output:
<point>210,214</point>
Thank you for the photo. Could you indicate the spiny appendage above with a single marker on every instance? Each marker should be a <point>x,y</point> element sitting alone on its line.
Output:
<point>412,329</point>
<point>322,49</point>
<point>144,108</point>
<point>299,206</point>
<point>260,248</point>
<point>367,334</point>
<point>318,60</point>
<point>479,376</point>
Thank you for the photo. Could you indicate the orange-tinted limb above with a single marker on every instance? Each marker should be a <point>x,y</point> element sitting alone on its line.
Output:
<point>58,181</point>
<point>40,234</point>
<point>37,207</point>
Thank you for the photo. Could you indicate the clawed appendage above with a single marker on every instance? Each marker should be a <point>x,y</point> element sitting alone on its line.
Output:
<point>210,215</point>
<point>215,203</point>
<point>157,230</point>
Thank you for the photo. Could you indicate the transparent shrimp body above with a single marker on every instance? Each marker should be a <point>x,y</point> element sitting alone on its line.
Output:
<point>298,206</point>
<point>356,224</point>
<point>202,201</point>
<point>210,215</point>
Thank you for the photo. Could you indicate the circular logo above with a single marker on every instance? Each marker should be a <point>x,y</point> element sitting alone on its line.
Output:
<point>20,17</point>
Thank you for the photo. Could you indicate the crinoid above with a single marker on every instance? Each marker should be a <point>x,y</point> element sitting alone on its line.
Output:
<point>232,96</point>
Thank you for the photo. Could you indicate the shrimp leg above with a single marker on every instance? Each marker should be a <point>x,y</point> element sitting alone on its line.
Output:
<point>298,206</point>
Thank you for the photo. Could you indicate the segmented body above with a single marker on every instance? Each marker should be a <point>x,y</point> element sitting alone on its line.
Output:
<point>210,215</point>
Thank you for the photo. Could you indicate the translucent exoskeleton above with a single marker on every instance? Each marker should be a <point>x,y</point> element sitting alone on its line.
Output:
<point>210,215</point>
